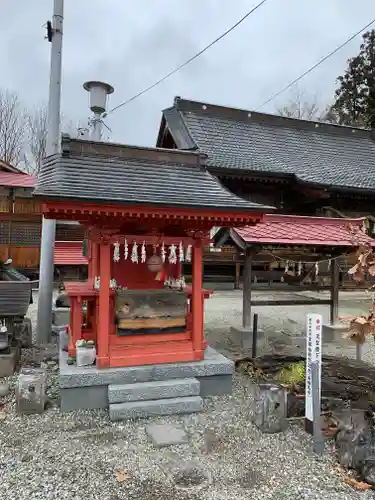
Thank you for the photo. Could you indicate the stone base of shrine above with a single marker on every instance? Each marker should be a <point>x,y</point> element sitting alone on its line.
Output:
<point>87,387</point>
<point>334,332</point>
<point>244,336</point>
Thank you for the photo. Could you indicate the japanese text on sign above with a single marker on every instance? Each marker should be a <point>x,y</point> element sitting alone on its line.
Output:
<point>313,353</point>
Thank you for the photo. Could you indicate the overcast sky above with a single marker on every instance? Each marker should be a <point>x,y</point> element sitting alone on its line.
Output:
<point>132,44</point>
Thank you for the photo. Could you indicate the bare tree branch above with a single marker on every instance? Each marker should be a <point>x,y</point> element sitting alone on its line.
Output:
<point>303,107</point>
<point>37,127</point>
<point>12,127</point>
<point>37,122</point>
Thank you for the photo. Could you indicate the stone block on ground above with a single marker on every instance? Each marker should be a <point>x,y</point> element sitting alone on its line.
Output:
<point>8,362</point>
<point>145,391</point>
<point>88,398</point>
<point>144,409</point>
<point>332,333</point>
<point>166,435</point>
<point>244,336</point>
<point>214,364</point>
<point>215,385</point>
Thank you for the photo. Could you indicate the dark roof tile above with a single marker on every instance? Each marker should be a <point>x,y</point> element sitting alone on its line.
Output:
<point>115,179</point>
<point>317,153</point>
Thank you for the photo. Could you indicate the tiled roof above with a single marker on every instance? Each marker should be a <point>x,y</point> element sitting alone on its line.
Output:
<point>317,153</point>
<point>69,253</point>
<point>131,175</point>
<point>7,167</point>
<point>299,230</point>
<point>9,179</point>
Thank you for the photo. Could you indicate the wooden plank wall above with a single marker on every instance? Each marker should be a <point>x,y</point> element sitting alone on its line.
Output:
<point>20,231</point>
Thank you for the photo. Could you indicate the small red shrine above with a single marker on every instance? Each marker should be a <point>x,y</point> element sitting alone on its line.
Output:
<point>146,211</point>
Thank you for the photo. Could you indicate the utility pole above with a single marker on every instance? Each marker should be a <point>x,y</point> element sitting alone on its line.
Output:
<point>46,267</point>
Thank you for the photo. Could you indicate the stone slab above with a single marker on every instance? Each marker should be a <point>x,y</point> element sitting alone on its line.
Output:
<point>244,336</point>
<point>8,362</point>
<point>166,435</point>
<point>84,398</point>
<point>73,376</point>
<point>96,397</point>
<point>144,409</point>
<point>61,316</point>
<point>215,385</point>
<point>145,391</point>
<point>331,333</point>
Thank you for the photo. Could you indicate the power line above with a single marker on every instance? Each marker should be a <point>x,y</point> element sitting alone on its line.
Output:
<point>191,58</point>
<point>315,65</point>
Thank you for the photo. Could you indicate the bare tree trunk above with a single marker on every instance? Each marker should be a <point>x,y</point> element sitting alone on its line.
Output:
<point>36,122</point>
<point>12,127</point>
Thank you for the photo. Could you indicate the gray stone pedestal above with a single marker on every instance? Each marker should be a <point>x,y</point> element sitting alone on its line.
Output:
<point>8,362</point>
<point>61,316</point>
<point>244,336</point>
<point>334,332</point>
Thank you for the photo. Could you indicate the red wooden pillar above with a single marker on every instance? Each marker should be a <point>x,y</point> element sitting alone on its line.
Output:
<point>94,260</point>
<point>178,270</point>
<point>89,256</point>
<point>75,324</point>
<point>196,298</point>
<point>104,297</point>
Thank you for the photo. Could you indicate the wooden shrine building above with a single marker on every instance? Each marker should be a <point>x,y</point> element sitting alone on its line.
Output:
<point>146,210</point>
<point>301,248</point>
<point>21,223</point>
<point>300,167</point>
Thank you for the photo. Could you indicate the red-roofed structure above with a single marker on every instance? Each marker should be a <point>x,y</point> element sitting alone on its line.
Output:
<point>20,225</point>
<point>10,179</point>
<point>69,253</point>
<point>301,242</point>
<point>7,167</point>
<point>296,230</point>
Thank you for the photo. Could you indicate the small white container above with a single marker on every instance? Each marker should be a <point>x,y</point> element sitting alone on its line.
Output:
<point>85,356</point>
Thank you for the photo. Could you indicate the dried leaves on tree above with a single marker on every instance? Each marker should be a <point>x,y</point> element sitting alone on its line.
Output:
<point>361,326</point>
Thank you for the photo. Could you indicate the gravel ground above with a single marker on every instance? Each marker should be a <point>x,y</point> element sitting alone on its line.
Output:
<point>76,456</point>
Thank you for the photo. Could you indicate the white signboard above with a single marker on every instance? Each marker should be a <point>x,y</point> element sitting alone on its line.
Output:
<point>313,353</point>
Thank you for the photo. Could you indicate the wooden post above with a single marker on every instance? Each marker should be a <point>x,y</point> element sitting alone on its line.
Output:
<point>246,307</point>
<point>75,323</point>
<point>179,270</point>
<point>90,273</point>
<point>196,299</point>
<point>335,286</point>
<point>94,258</point>
<point>237,276</point>
<point>104,297</point>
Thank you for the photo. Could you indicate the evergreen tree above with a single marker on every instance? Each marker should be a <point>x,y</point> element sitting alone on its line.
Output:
<point>355,97</point>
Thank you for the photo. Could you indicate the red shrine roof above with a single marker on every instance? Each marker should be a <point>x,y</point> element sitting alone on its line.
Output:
<point>69,253</point>
<point>302,230</point>
<point>11,179</point>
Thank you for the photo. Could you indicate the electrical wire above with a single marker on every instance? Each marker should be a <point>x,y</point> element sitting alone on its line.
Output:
<point>198,54</point>
<point>315,65</point>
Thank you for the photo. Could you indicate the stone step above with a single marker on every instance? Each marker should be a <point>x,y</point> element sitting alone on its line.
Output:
<point>144,409</point>
<point>147,391</point>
